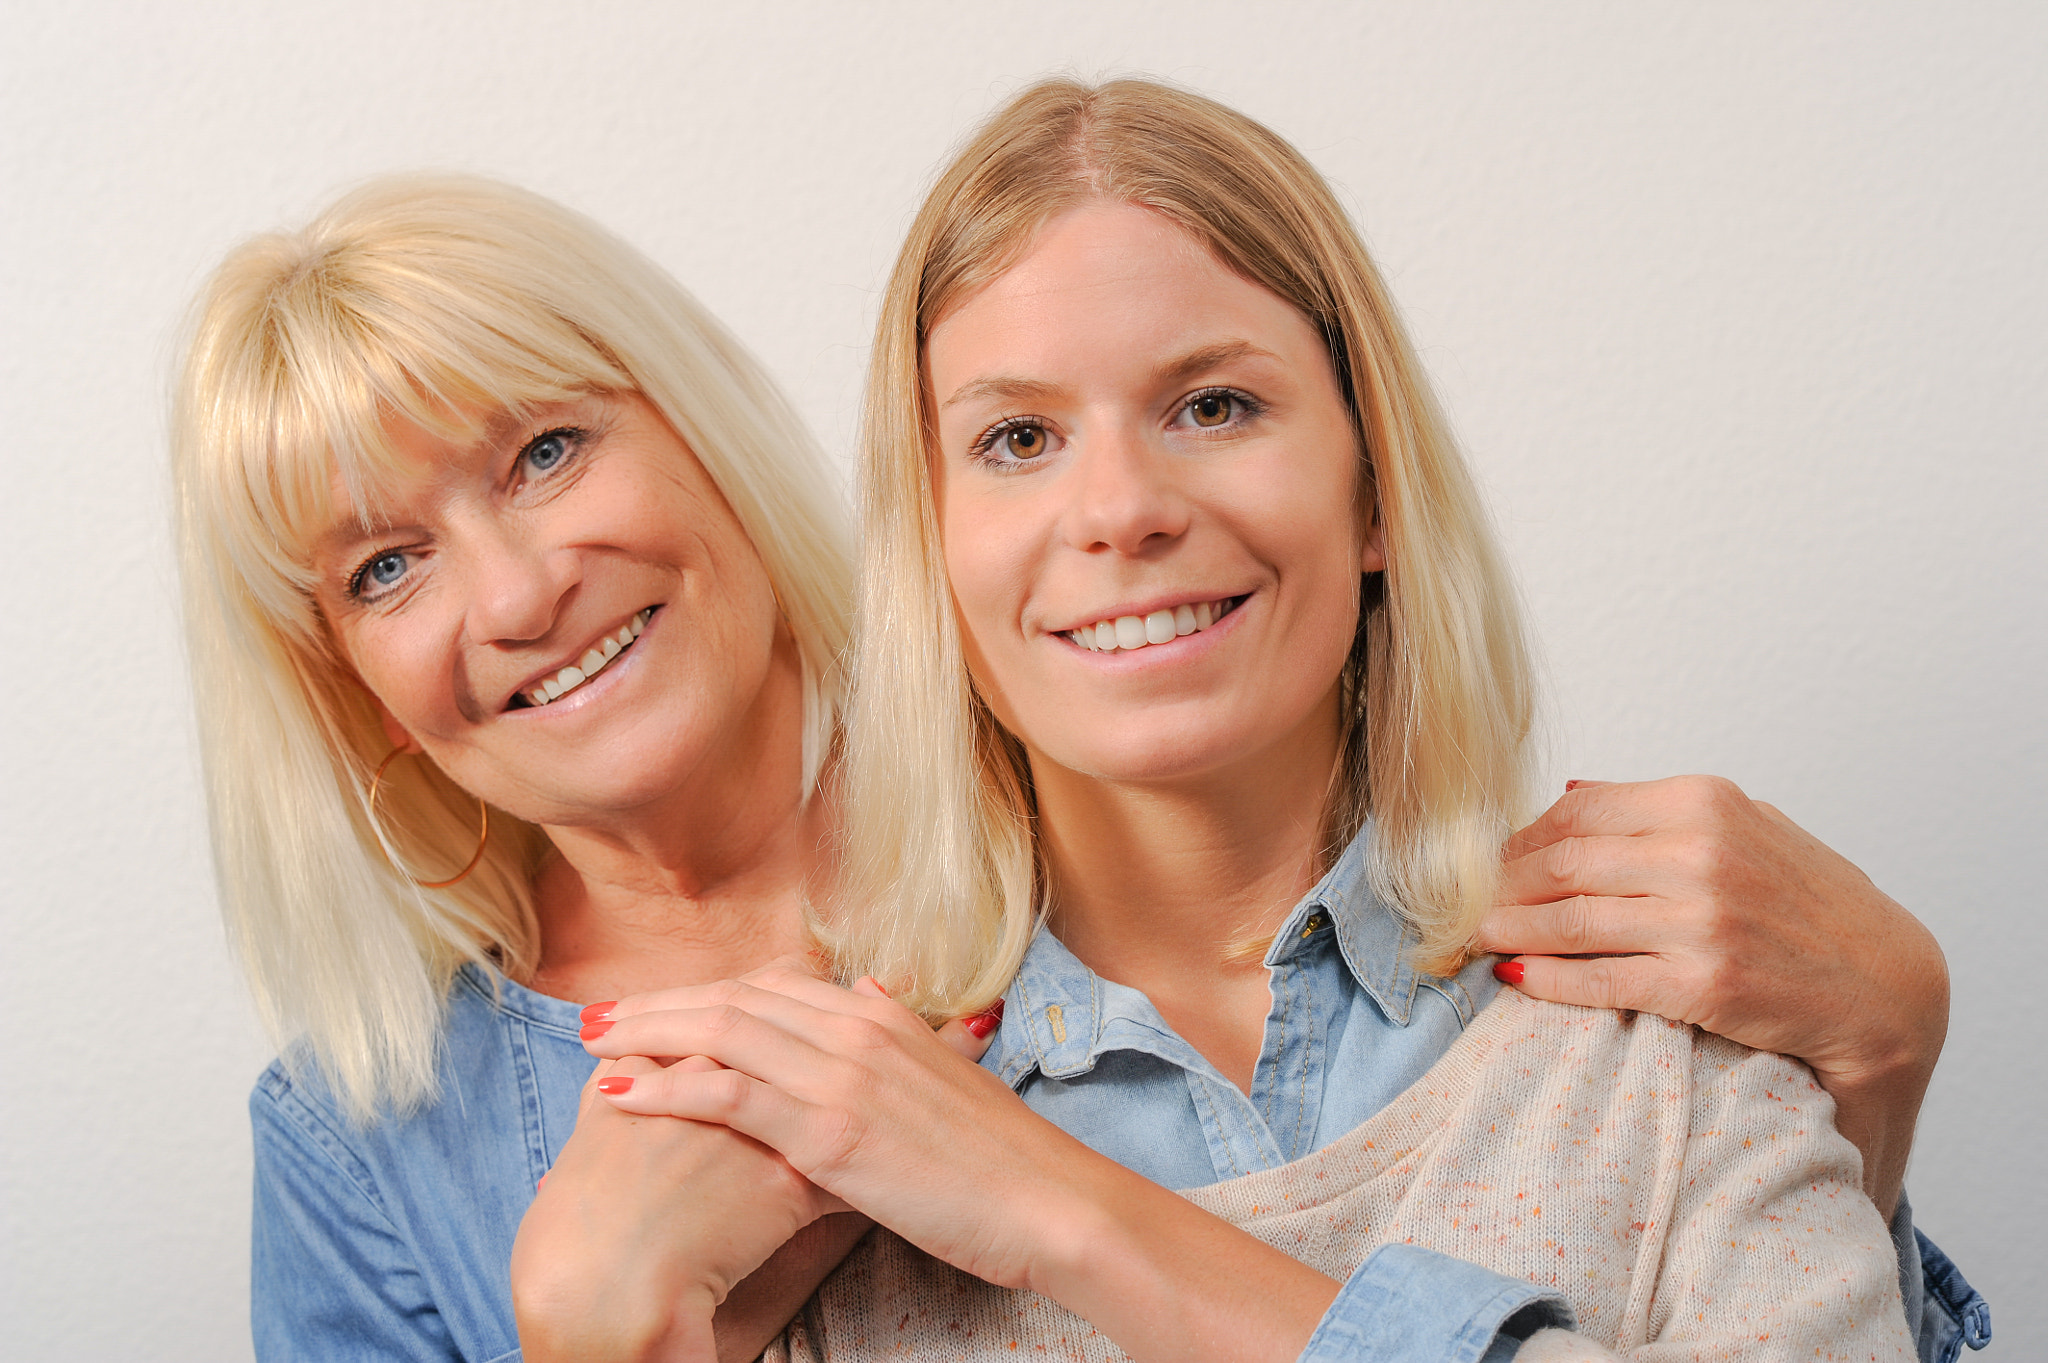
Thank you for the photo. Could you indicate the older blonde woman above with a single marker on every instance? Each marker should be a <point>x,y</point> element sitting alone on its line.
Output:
<point>516,598</point>
<point>1193,717</point>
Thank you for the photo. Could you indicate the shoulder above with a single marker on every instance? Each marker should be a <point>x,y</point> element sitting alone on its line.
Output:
<point>296,1096</point>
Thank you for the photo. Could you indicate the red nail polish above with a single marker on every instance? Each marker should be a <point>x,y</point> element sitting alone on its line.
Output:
<point>986,1021</point>
<point>593,1031</point>
<point>1508,972</point>
<point>614,1084</point>
<point>1571,786</point>
<point>541,1182</point>
<point>598,1010</point>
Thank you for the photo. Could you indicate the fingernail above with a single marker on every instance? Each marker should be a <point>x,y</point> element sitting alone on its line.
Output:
<point>1572,786</point>
<point>614,1084</point>
<point>592,1031</point>
<point>878,986</point>
<point>986,1021</point>
<point>1508,972</point>
<point>598,1010</point>
<point>541,1182</point>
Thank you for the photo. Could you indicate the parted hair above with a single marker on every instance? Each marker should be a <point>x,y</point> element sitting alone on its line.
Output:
<point>434,301</point>
<point>945,884</point>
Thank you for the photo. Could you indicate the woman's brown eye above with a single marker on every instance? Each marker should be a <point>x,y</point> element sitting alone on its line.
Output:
<point>1211,409</point>
<point>1024,442</point>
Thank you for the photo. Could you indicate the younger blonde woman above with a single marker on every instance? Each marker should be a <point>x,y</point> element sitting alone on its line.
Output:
<point>1193,715</point>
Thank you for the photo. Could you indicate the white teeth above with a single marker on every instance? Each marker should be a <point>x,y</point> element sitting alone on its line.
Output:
<point>590,664</point>
<point>1160,627</point>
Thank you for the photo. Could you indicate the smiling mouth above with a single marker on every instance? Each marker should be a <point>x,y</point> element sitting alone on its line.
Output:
<point>593,661</point>
<point>1128,632</point>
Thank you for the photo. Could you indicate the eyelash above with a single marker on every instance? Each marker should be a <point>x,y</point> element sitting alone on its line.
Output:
<point>574,437</point>
<point>983,448</point>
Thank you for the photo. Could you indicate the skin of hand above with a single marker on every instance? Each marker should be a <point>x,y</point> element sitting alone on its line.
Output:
<point>1700,904</point>
<point>862,1097</point>
<point>647,1226</point>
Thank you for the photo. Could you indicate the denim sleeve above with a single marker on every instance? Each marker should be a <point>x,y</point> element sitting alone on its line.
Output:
<point>1942,1310</point>
<point>1407,1304</point>
<point>329,1277</point>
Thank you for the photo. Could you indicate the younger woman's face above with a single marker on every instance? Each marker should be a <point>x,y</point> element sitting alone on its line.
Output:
<point>1149,501</point>
<point>581,550</point>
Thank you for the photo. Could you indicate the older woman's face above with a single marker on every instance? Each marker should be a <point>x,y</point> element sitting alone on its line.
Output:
<point>1148,501</point>
<point>565,616</point>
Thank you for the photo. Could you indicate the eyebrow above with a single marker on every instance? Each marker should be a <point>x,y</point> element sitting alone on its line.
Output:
<point>1021,390</point>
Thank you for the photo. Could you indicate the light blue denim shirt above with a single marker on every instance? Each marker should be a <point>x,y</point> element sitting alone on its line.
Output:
<point>392,1241</point>
<point>1352,1025</point>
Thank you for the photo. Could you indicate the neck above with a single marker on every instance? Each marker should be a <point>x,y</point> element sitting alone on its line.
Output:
<point>706,883</point>
<point>1157,880</point>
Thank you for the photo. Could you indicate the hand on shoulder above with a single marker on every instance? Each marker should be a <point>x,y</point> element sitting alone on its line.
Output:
<point>1697,903</point>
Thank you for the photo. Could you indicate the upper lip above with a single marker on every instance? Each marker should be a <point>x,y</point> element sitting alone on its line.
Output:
<point>571,660</point>
<point>1145,607</point>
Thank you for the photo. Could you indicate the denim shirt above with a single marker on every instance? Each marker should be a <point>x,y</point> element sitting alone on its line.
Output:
<point>393,1241</point>
<point>1352,1025</point>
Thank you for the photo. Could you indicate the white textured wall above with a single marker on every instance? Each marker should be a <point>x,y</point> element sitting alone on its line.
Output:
<point>1739,308</point>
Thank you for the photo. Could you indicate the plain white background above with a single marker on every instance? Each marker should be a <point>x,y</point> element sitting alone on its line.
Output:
<point>1738,309</point>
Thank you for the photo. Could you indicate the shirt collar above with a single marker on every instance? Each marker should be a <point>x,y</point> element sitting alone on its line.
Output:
<point>1054,1010</point>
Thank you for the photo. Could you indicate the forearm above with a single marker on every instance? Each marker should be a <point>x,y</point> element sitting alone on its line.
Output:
<point>756,1311</point>
<point>1168,1281</point>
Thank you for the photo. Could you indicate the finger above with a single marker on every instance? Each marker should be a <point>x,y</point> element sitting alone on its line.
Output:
<point>1583,924</point>
<point>790,976</point>
<point>767,1048</point>
<point>972,1036</point>
<point>726,1097</point>
<point>1586,809</point>
<point>1641,983</point>
<point>1596,865</point>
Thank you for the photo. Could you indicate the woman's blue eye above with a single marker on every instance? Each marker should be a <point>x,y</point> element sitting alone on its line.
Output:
<point>548,451</point>
<point>386,569</point>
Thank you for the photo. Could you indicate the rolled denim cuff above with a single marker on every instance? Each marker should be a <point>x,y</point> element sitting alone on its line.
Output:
<point>1407,1304</point>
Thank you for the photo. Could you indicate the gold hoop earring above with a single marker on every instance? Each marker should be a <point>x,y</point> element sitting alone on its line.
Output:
<point>483,833</point>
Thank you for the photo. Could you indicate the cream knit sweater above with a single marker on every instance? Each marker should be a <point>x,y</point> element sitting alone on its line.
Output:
<point>1689,1197</point>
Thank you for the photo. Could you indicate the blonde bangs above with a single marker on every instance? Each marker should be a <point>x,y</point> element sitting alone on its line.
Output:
<point>444,303</point>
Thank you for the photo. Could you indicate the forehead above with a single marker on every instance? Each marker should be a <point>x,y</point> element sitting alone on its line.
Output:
<point>1100,286</point>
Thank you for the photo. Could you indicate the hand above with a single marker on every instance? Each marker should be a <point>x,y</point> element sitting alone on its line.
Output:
<point>645,1225</point>
<point>825,1075</point>
<point>863,1098</point>
<point>1702,905</point>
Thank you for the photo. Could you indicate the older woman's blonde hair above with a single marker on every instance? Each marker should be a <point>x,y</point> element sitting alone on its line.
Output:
<point>945,879</point>
<point>436,301</point>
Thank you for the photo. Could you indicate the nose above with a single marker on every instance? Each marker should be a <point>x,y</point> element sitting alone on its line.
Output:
<point>1124,494</point>
<point>517,583</point>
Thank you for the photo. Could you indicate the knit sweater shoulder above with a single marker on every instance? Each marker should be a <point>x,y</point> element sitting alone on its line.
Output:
<point>1689,1197</point>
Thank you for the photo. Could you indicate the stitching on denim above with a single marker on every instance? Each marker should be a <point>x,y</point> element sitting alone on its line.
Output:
<point>1199,1087</point>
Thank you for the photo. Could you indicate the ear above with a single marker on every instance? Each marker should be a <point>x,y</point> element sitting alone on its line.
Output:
<point>1372,557</point>
<point>400,736</point>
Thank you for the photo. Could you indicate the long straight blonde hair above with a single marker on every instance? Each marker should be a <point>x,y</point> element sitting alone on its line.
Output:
<point>945,884</point>
<point>420,300</point>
